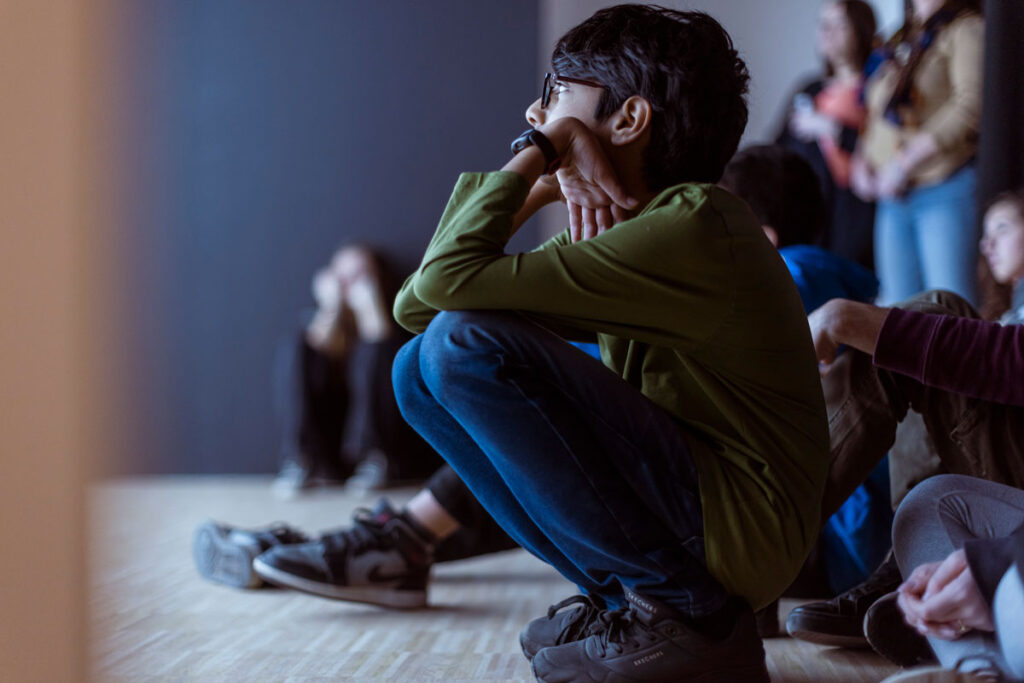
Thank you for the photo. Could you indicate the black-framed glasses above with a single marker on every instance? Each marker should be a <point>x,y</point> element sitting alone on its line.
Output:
<point>551,79</point>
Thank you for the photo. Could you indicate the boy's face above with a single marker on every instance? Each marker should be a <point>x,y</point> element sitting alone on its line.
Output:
<point>568,99</point>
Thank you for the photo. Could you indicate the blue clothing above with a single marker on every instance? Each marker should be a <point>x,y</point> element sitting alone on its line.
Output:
<point>928,240</point>
<point>821,275</point>
<point>577,465</point>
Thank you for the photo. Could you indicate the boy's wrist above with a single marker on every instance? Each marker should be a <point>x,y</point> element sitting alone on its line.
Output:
<point>529,163</point>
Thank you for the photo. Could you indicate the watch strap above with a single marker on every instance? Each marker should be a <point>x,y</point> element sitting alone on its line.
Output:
<point>552,161</point>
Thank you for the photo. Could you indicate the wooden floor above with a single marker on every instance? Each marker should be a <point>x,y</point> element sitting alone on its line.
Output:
<point>154,619</point>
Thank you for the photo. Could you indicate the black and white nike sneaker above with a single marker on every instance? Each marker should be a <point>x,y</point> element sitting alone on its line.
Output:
<point>382,559</point>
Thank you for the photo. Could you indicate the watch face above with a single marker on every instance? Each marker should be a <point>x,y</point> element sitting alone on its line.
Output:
<point>522,142</point>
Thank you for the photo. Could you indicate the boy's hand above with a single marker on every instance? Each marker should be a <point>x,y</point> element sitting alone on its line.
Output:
<point>594,195</point>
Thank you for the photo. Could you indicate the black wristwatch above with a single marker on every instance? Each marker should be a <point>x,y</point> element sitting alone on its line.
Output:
<point>532,136</point>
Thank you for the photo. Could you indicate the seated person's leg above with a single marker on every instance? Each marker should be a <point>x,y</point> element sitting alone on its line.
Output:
<point>866,404</point>
<point>549,441</point>
<point>379,445</point>
<point>311,398</point>
<point>937,518</point>
<point>1008,614</point>
<point>565,435</point>
<point>475,532</point>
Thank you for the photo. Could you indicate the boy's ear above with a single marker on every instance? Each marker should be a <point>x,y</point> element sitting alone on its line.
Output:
<point>631,121</point>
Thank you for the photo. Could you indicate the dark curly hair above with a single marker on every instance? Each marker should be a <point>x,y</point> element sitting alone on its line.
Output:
<point>684,64</point>
<point>781,189</point>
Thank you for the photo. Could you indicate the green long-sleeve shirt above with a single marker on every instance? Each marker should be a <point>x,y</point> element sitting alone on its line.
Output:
<point>690,302</point>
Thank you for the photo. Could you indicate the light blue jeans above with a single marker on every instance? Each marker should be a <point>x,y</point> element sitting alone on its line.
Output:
<point>928,240</point>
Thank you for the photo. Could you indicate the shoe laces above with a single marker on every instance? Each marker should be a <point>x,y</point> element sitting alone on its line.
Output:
<point>581,621</point>
<point>620,628</point>
<point>367,531</point>
<point>283,534</point>
<point>882,581</point>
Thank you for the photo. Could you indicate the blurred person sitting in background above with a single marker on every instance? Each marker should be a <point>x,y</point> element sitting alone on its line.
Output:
<point>334,393</point>
<point>824,121</point>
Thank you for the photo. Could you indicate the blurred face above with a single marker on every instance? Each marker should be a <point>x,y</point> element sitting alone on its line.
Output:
<point>835,34</point>
<point>350,264</point>
<point>923,9</point>
<point>1002,243</point>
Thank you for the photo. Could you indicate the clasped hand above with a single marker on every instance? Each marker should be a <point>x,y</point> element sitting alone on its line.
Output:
<point>942,599</point>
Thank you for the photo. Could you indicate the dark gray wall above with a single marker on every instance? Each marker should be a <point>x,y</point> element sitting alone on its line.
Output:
<point>257,135</point>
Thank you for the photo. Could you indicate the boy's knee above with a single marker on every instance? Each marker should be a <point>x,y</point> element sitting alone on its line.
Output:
<point>405,371</point>
<point>447,341</point>
<point>454,339</point>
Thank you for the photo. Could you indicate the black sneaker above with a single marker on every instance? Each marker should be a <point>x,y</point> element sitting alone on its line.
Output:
<point>840,621</point>
<point>224,554</point>
<point>891,637</point>
<point>381,560</point>
<point>560,627</point>
<point>650,642</point>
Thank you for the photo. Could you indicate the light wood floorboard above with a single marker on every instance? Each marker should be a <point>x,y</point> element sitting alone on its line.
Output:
<point>155,619</point>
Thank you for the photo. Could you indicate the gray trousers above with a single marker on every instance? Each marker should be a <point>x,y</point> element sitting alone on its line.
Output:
<point>937,517</point>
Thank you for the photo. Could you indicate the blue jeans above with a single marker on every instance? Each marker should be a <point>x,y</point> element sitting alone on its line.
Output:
<point>928,240</point>
<point>577,465</point>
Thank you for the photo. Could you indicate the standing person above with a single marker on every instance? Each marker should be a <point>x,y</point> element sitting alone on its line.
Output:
<point>916,157</point>
<point>681,489</point>
<point>825,120</point>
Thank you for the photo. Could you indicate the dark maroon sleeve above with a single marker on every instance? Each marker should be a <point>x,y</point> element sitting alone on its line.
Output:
<point>973,357</point>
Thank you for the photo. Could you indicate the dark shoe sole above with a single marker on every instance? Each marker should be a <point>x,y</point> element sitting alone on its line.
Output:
<point>748,674</point>
<point>221,561</point>
<point>370,595</point>
<point>890,636</point>
<point>826,630</point>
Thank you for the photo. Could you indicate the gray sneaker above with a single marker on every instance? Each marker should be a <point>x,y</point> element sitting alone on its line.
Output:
<point>649,642</point>
<point>380,560</point>
<point>224,554</point>
<point>560,627</point>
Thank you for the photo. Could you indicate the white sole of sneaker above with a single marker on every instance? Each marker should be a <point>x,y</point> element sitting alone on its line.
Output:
<point>383,597</point>
<point>221,561</point>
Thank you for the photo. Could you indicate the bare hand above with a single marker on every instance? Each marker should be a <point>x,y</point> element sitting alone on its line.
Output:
<point>891,181</point>
<point>841,321</point>
<point>808,125</point>
<point>594,195</point>
<point>824,323</point>
<point>942,599</point>
<point>862,179</point>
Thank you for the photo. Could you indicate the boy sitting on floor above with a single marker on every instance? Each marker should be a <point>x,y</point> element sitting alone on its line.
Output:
<point>681,489</point>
